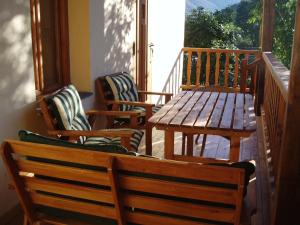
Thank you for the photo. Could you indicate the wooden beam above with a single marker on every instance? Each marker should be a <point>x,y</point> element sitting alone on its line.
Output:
<point>287,198</point>
<point>267,29</point>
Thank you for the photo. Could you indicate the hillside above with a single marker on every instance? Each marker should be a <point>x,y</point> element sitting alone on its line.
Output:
<point>210,5</point>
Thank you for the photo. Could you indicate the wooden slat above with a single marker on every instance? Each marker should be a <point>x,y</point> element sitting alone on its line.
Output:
<point>185,170</point>
<point>63,188</point>
<point>174,110</point>
<point>238,121</point>
<point>181,115</point>
<point>198,68</point>
<point>236,70</point>
<point>207,73</point>
<point>227,116</point>
<point>217,68</point>
<point>226,70</point>
<point>194,112</point>
<point>179,208</point>
<point>218,111</point>
<point>207,111</point>
<point>115,191</point>
<point>76,206</point>
<point>163,111</point>
<point>184,190</point>
<point>64,172</point>
<point>189,68</point>
<point>150,219</point>
<point>60,153</point>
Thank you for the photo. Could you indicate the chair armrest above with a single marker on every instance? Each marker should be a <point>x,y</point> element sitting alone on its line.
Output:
<point>112,113</point>
<point>143,104</point>
<point>154,93</point>
<point>167,95</point>
<point>92,133</point>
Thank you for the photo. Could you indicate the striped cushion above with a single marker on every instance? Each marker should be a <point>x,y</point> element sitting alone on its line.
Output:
<point>143,110</point>
<point>69,111</point>
<point>134,141</point>
<point>141,120</point>
<point>123,88</point>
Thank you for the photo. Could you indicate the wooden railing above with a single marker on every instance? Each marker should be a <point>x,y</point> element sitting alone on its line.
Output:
<point>220,68</point>
<point>223,69</point>
<point>274,108</point>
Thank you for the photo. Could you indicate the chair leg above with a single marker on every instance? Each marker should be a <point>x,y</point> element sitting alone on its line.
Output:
<point>197,139</point>
<point>183,144</point>
<point>25,221</point>
<point>203,144</point>
<point>148,139</point>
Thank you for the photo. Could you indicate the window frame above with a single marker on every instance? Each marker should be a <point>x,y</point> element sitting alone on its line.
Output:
<point>62,37</point>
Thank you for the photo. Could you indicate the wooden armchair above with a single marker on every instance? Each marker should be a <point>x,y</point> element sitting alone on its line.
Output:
<point>65,119</point>
<point>119,92</point>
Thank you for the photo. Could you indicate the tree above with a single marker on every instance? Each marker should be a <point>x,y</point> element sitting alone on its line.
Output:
<point>284,30</point>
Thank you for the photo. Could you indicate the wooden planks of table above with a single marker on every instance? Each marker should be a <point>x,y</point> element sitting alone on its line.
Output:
<point>202,112</point>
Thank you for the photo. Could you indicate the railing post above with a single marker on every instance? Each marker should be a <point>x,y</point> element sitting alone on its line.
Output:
<point>287,198</point>
<point>243,76</point>
<point>259,92</point>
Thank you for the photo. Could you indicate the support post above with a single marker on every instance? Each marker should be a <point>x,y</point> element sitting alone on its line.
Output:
<point>287,197</point>
<point>267,29</point>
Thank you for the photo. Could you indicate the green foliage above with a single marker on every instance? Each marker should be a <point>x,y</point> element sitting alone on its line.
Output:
<point>284,30</point>
<point>233,27</point>
<point>238,27</point>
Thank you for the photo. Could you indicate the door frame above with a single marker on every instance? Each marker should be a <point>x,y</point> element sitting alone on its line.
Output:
<point>142,45</point>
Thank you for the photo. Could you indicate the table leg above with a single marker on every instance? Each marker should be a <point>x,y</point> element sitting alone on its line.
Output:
<point>190,144</point>
<point>234,148</point>
<point>169,144</point>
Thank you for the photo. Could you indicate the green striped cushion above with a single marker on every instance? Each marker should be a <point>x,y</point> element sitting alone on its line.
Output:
<point>134,141</point>
<point>68,110</point>
<point>141,120</point>
<point>123,88</point>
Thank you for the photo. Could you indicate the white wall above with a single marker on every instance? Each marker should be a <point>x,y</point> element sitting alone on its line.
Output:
<point>17,90</point>
<point>112,32</point>
<point>166,32</point>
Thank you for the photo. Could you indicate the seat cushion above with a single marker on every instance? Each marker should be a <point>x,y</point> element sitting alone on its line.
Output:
<point>28,136</point>
<point>68,110</point>
<point>141,120</point>
<point>123,88</point>
<point>134,141</point>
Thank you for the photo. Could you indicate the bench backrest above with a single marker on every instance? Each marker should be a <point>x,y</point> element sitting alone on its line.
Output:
<point>124,188</point>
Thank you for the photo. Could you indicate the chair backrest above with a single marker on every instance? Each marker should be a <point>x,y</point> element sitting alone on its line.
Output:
<point>63,110</point>
<point>118,86</point>
<point>124,188</point>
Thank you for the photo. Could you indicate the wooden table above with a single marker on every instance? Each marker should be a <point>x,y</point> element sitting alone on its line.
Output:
<point>217,113</point>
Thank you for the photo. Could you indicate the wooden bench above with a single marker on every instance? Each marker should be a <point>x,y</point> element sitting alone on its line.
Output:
<point>121,188</point>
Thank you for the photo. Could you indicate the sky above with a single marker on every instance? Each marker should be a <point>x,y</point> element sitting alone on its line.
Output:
<point>210,5</point>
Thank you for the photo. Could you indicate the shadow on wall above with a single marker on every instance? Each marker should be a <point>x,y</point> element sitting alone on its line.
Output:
<point>116,35</point>
<point>119,22</point>
<point>112,34</point>
<point>17,90</point>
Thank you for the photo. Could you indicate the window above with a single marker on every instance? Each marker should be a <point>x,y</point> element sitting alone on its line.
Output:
<point>50,42</point>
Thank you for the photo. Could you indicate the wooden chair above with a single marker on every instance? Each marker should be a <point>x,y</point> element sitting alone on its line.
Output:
<point>63,185</point>
<point>65,118</point>
<point>119,92</point>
